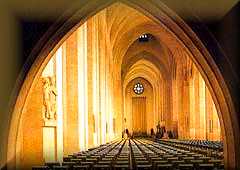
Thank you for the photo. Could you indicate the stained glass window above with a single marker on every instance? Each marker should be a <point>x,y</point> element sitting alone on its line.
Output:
<point>138,88</point>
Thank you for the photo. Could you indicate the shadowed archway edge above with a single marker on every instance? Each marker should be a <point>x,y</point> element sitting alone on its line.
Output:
<point>214,77</point>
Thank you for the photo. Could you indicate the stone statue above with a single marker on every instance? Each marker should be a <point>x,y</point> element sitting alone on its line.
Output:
<point>53,97</point>
<point>49,98</point>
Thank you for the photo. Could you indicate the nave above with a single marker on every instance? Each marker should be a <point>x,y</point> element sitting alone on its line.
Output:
<point>104,79</point>
<point>145,154</point>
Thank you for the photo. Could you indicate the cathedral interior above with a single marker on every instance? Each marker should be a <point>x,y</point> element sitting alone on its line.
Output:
<point>120,85</point>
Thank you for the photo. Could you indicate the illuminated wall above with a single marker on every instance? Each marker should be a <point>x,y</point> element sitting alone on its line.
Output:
<point>128,113</point>
<point>195,111</point>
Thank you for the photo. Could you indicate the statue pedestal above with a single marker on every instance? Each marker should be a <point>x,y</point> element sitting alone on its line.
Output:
<point>49,140</point>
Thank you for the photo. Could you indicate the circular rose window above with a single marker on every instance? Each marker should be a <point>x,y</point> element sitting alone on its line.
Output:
<point>138,88</point>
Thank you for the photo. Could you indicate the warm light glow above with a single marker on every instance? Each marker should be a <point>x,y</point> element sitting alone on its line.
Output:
<point>108,80</point>
<point>202,101</point>
<point>216,125</point>
<point>59,86</point>
<point>143,36</point>
<point>111,132</point>
<point>95,87</point>
<point>49,148</point>
<point>49,69</point>
<point>82,87</point>
<point>192,112</point>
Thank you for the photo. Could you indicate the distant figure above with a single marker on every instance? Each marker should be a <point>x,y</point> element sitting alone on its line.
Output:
<point>127,132</point>
<point>165,136</point>
<point>163,129</point>
<point>175,135</point>
<point>158,133</point>
<point>158,127</point>
<point>152,133</point>
<point>170,134</point>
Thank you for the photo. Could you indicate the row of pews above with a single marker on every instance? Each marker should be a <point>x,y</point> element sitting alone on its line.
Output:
<point>143,154</point>
<point>205,147</point>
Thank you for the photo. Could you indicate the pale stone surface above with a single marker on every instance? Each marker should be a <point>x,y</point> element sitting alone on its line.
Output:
<point>70,132</point>
<point>31,144</point>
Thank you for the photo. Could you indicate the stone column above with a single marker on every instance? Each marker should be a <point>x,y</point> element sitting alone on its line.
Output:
<point>180,97</point>
<point>70,84</point>
<point>94,52</point>
<point>216,125</point>
<point>102,72</point>
<point>186,103</point>
<point>60,57</point>
<point>209,115</point>
<point>202,108</point>
<point>82,55</point>
<point>192,104</point>
<point>197,106</point>
<point>175,105</point>
<point>213,126</point>
<point>90,61</point>
<point>169,117</point>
